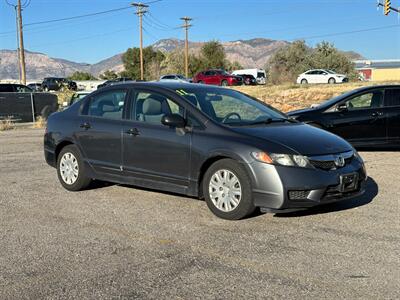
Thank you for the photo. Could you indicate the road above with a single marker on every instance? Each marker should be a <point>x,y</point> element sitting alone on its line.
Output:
<point>121,242</point>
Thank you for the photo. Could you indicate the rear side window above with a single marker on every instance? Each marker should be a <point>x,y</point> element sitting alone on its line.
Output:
<point>392,97</point>
<point>6,88</point>
<point>109,105</point>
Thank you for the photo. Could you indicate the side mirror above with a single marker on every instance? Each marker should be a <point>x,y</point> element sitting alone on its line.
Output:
<point>342,107</point>
<point>173,120</point>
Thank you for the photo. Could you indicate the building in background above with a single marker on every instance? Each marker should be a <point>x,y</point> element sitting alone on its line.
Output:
<point>378,70</point>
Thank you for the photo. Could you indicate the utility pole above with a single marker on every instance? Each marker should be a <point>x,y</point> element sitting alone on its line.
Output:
<point>186,26</point>
<point>17,34</point>
<point>141,9</point>
<point>21,44</point>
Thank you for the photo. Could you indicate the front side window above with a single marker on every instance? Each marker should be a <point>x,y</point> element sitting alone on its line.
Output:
<point>150,107</point>
<point>230,107</point>
<point>369,100</point>
<point>109,105</point>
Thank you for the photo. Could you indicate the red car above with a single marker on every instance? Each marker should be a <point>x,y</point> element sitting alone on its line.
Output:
<point>217,77</point>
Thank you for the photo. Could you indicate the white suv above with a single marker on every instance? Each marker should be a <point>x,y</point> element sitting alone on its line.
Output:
<point>321,76</point>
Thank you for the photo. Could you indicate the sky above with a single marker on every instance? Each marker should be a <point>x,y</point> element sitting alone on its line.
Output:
<point>346,23</point>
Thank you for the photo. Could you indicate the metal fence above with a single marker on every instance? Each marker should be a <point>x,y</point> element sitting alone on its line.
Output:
<point>26,107</point>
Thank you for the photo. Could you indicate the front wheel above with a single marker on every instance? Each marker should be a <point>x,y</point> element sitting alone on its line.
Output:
<point>71,170</point>
<point>304,81</point>
<point>331,81</point>
<point>227,190</point>
<point>224,83</point>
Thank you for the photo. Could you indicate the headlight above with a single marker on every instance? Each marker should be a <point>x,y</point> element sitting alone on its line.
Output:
<point>357,156</point>
<point>283,159</point>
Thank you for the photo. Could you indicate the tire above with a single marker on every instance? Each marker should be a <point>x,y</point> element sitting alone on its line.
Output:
<point>200,82</point>
<point>224,83</point>
<point>228,210</point>
<point>331,80</point>
<point>46,89</point>
<point>303,81</point>
<point>79,180</point>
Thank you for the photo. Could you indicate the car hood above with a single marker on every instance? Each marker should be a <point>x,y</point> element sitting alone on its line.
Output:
<point>300,111</point>
<point>301,138</point>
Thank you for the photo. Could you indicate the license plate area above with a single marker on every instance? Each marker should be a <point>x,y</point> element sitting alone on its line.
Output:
<point>348,182</point>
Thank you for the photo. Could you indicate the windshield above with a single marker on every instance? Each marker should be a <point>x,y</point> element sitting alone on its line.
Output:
<point>231,107</point>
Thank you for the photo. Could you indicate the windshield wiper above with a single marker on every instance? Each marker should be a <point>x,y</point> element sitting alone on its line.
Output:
<point>269,121</point>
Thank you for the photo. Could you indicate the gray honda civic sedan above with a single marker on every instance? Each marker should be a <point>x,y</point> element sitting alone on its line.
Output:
<point>215,143</point>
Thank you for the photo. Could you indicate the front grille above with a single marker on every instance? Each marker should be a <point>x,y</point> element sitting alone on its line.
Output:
<point>328,162</point>
<point>325,165</point>
<point>298,195</point>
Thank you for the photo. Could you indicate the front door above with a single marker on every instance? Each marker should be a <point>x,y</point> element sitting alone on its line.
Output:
<point>153,151</point>
<point>100,128</point>
<point>363,121</point>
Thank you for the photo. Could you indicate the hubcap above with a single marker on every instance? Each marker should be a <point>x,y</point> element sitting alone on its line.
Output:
<point>225,190</point>
<point>69,168</point>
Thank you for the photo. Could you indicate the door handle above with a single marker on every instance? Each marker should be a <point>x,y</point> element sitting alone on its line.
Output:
<point>85,125</point>
<point>133,131</point>
<point>376,114</point>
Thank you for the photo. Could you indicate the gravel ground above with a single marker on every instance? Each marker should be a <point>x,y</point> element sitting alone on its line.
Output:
<point>120,242</point>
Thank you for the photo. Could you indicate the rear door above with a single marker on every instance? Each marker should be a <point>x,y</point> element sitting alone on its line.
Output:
<point>100,130</point>
<point>364,120</point>
<point>392,105</point>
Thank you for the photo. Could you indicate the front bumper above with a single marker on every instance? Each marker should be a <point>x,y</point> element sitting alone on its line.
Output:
<point>278,188</point>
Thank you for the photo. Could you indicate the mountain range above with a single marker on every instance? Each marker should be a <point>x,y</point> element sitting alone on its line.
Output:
<point>251,53</point>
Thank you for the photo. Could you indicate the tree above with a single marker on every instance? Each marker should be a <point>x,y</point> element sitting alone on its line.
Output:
<point>213,55</point>
<point>109,75</point>
<point>174,63</point>
<point>326,56</point>
<point>232,66</point>
<point>288,62</point>
<point>151,61</point>
<point>82,76</point>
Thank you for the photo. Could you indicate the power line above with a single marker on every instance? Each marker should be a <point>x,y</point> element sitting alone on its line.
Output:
<point>80,16</point>
<point>344,32</point>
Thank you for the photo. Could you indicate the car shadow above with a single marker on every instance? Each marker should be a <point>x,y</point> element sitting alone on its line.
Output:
<point>371,191</point>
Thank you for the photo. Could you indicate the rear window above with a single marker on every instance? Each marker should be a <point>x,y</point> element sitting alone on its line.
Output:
<point>392,97</point>
<point>108,104</point>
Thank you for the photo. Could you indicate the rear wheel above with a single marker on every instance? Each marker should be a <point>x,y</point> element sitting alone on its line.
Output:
<point>201,82</point>
<point>71,170</point>
<point>224,83</point>
<point>304,81</point>
<point>227,190</point>
<point>331,81</point>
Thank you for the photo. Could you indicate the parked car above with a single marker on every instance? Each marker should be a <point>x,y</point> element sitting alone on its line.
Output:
<point>175,77</point>
<point>21,104</point>
<point>259,74</point>
<point>58,83</point>
<point>37,87</point>
<point>321,76</point>
<point>217,143</point>
<point>114,81</point>
<point>249,79</point>
<point>14,88</point>
<point>217,77</point>
<point>368,116</point>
